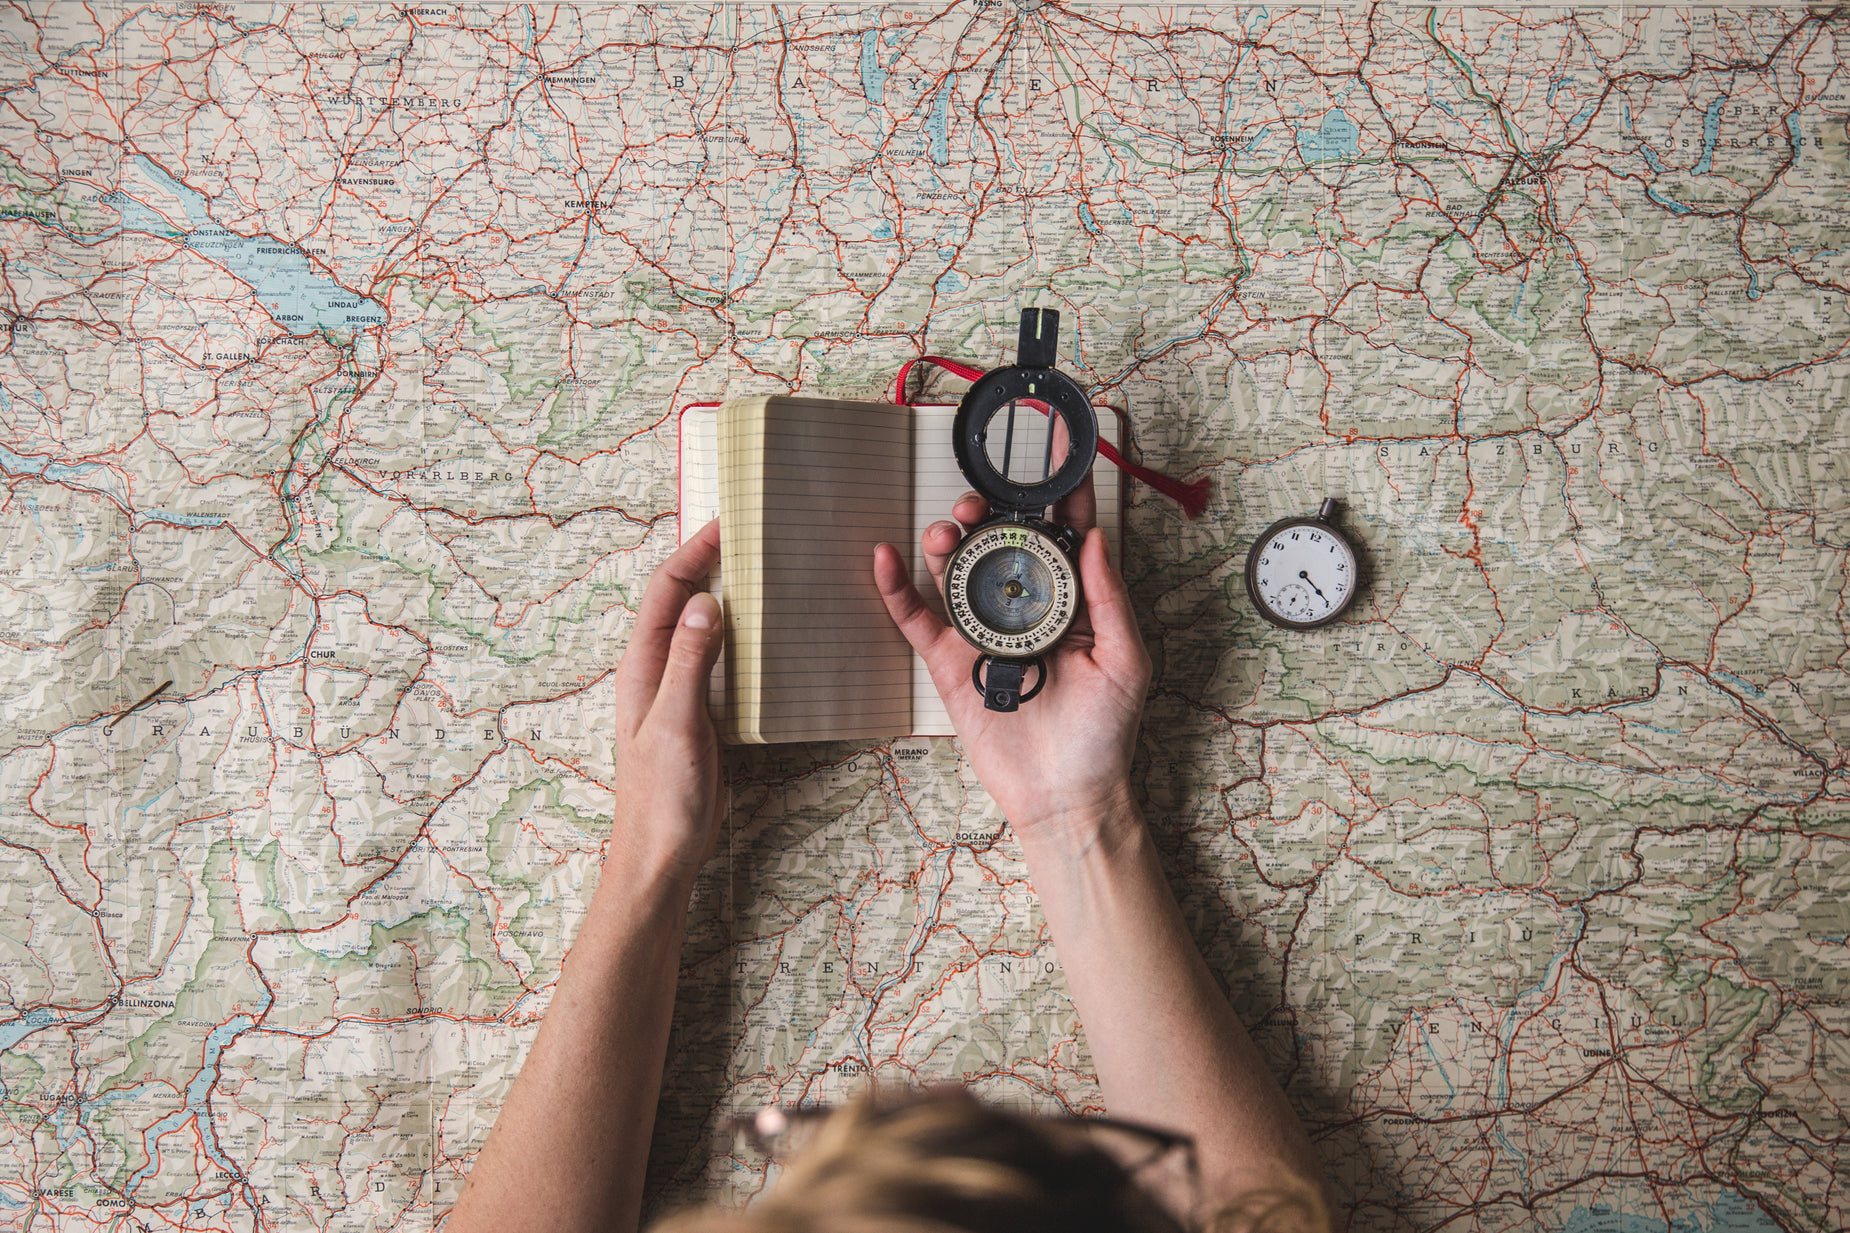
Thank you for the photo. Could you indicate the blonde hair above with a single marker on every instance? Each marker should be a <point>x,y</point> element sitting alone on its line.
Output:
<point>945,1162</point>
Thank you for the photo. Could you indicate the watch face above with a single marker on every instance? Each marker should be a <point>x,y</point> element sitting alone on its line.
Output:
<point>1010,590</point>
<point>1301,573</point>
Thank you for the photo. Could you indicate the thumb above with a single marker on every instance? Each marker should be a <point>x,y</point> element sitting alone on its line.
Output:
<point>947,656</point>
<point>698,635</point>
<point>1116,643</point>
<point>904,603</point>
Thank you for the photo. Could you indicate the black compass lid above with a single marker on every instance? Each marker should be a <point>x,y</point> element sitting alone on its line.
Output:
<point>1033,379</point>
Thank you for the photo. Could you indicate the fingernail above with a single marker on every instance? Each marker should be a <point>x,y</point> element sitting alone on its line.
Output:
<point>701,612</point>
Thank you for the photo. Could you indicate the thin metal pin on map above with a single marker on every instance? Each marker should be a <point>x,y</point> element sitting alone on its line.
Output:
<point>158,691</point>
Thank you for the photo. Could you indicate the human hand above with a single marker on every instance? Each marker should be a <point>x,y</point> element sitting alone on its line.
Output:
<point>667,754</point>
<point>1062,762</point>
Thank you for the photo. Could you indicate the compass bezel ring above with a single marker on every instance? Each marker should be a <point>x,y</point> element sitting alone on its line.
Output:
<point>993,391</point>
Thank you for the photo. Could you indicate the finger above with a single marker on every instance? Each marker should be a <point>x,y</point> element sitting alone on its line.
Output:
<point>1079,508</point>
<point>1116,645</point>
<point>906,606</point>
<point>947,656</point>
<point>1061,439</point>
<point>970,509</point>
<point>939,541</point>
<point>693,648</point>
<point>673,583</point>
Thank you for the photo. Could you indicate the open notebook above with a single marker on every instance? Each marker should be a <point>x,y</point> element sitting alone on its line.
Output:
<point>804,490</point>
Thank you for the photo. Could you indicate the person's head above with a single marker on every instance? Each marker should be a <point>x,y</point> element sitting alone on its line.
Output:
<point>945,1162</point>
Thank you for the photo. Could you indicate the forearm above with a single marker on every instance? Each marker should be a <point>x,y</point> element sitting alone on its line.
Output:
<point>569,1148</point>
<point>1168,1046</point>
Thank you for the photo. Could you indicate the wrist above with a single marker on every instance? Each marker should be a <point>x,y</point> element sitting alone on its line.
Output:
<point>639,858</point>
<point>1098,823</point>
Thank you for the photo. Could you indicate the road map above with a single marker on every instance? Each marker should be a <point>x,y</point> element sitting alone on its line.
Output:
<point>341,354</point>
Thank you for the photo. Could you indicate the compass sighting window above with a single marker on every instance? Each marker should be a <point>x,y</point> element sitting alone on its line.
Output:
<point>1023,443</point>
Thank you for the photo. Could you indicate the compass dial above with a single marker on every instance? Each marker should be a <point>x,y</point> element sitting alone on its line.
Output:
<point>1010,590</point>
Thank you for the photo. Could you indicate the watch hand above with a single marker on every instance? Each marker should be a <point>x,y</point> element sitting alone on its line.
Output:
<point>1305,575</point>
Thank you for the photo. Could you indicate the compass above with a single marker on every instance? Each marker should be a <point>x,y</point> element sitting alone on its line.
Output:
<point>1011,587</point>
<point>1302,572</point>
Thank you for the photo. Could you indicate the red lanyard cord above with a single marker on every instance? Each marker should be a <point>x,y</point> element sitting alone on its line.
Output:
<point>1192,496</point>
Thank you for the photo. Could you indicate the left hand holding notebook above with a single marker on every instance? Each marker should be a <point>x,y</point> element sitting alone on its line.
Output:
<point>667,754</point>
<point>1063,763</point>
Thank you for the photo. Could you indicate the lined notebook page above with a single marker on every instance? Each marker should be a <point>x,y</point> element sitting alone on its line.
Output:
<point>936,485</point>
<point>741,546</point>
<point>830,479</point>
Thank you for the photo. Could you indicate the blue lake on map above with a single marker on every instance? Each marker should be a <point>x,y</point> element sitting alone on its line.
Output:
<point>1711,125</point>
<point>136,216</point>
<point>184,520</point>
<point>1732,1213</point>
<point>12,1033</point>
<point>1336,138</point>
<point>873,77</point>
<point>92,475</point>
<point>196,1109</point>
<point>300,300</point>
<point>1675,207</point>
<point>938,126</point>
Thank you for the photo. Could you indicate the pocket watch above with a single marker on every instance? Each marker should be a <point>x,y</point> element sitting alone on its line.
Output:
<point>1302,572</point>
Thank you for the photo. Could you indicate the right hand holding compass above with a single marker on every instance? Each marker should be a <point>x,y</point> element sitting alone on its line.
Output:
<point>1065,760</point>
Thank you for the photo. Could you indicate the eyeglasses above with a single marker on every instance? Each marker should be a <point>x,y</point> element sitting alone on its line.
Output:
<point>1161,1162</point>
